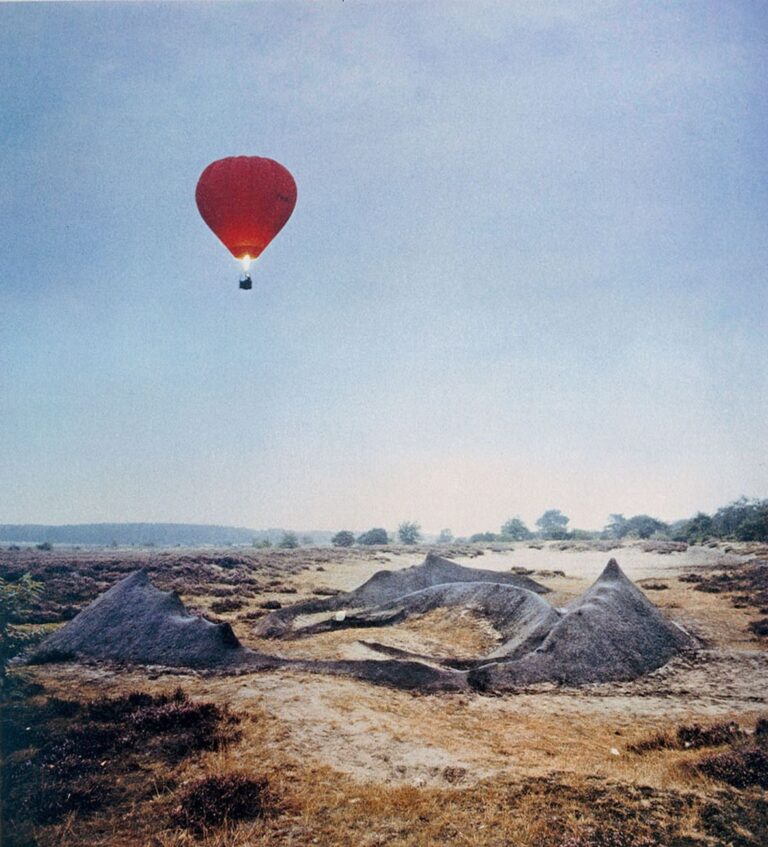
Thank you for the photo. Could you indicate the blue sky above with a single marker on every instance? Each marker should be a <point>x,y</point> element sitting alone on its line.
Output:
<point>527,267</point>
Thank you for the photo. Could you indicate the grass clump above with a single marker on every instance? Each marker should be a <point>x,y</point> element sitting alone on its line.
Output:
<point>215,800</point>
<point>696,736</point>
<point>228,604</point>
<point>740,768</point>
<point>691,737</point>
<point>742,765</point>
<point>610,837</point>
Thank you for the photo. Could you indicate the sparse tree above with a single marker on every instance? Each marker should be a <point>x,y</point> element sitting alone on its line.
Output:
<point>616,526</point>
<point>644,526</point>
<point>344,538</point>
<point>409,532</point>
<point>553,524</point>
<point>289,541</point>
<point>445,537</point>
<point>695,530</point>
<point>374,536</point>
<point>516,530</point>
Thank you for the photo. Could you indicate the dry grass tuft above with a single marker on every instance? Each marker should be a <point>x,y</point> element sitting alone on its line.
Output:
<point>215,800</point>
<point>740,768</point>
<point>68,758</point>
<point>609,838</point>
<point>691,737</point>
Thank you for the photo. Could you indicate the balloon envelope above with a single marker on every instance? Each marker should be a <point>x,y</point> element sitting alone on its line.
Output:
<point>246,201</point>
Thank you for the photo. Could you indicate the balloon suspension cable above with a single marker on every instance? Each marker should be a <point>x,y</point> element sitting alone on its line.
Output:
<point>245,280</point>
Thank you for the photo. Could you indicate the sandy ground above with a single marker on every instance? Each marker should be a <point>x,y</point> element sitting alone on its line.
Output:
<point>376,734</point>
<point>577,564</point>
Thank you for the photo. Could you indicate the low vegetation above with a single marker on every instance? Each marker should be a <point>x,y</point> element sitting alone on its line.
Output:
<point>65,757</point>
<point>215,800</point>
<point>741,768</point>
<point>743,764</point>
<point>746,584</point>
<point>691,736</point>
<point>16,598</point>
<point>161,768</point>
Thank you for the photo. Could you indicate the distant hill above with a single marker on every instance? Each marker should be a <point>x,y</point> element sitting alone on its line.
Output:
<point>142,534</point>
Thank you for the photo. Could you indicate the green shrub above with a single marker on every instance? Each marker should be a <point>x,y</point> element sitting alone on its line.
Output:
<point>344,538</point>
<point>289,541</point>
<point>374,536</point>
<point>409,532</point>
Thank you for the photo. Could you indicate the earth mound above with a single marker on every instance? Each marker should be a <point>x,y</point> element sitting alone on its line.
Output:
<point>612,632</point>
<point>137,623</point>
<point>387,586</point>
<point>522,618</point>
<point>134,621</point>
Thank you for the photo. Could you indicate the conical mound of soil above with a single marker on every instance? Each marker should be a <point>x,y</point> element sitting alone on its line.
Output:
<point>387,586</point>
<point>134,621</point>
<point>137,623</point>
<point>611,632</point>
<point>521,617</point>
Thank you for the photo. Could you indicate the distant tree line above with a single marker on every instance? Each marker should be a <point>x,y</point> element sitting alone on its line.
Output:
<point>742,520</point>
<point>552,525</point>
<point>144,534</point>
<point>375,536</point>
<point>409,532</point>
<point>639,526</point>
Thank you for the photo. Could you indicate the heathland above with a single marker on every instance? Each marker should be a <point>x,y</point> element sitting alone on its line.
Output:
<point>102,752</point>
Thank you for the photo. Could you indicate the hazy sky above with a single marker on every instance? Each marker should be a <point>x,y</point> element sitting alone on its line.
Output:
<point>527,267</point>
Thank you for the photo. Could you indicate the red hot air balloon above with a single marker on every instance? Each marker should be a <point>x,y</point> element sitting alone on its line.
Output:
<point>246,201</point>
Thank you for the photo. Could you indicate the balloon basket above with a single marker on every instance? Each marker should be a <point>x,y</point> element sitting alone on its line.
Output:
<point>246,284</point>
